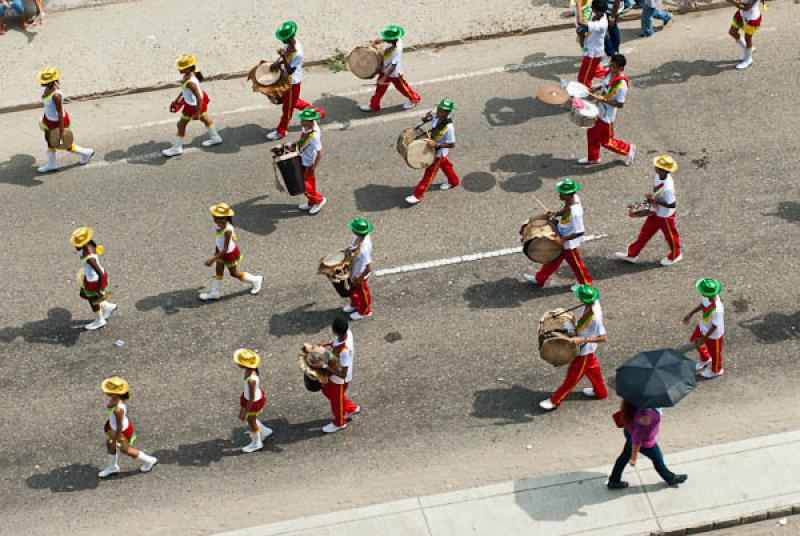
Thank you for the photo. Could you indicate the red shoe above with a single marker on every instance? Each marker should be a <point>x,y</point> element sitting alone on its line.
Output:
<point>2,28</point>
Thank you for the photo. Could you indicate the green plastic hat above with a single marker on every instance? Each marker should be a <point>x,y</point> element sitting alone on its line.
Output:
<point>447,105</point>
<point>392,33</point>
<point>309,114</point>
<point>708,286</point>
<point>286,30</point>
<point>360,226</point>
<point>568,186</point>
<point>587,294</point>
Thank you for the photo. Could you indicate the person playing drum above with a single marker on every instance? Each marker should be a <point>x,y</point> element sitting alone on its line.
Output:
<point>443,138</point>
<point>227,254</point>
<point>194,101</point>
<point>56,118</point>
<point>291,61</point>
<point>391,71</point>
<point>747,19</point>
<point>662,218</point>
<point>594,42</point>
<point>360,306</point>
<point>611,97</point>
<point>94,280</point>
<point>252,400</point>
<point>708,332</point>
<point>589,330</point>
<point>310,148</point>
<point>570,234</point>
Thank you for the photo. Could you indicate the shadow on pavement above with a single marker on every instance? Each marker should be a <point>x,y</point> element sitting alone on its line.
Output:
<point>512,405</point>
<point>174,300</point>
<point>302,320</point>
<point>339,109</point>
<point>20,170</point>
<point>500,112</point>
<point>788,211</point>
<point>262,218</point>
<point>204,453</point>
<point>541,505</point>
<point>380,197</point>
<point>478,182</point>
<point>554,67</point>
<point>679,72</point>
<point>773,328</point>
<point>58,328</point>
<point>75,477</point>
<point>287,433</point>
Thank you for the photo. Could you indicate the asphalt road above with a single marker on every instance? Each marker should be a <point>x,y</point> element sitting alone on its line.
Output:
<point>447,370</point>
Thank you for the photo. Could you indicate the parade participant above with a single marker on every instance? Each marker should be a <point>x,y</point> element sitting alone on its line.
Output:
<point>582,9</point>
<point>589,330</point>
<point>571,235</point>
<point>391,71</point>
<point>443,138</point>
<point>119,429</point>
<point>361,253</point>
<point>291,61</point>
<point>94,283</point>
<point>227,254</point>
<point>342,407</point>
<point>194,101</point>
<point>662,218</point>
<point>252,400</point>
<point>310,148</point>
<point>710,328</point>
<point>594,43</point>
<point>611,96</point>
<point>56,118</point>
<point>747,19</point>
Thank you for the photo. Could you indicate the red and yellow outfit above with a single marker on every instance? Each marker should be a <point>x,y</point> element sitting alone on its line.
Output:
<point>233,258</point>
<point>602,133</point>
<point>712,314</point>
<point>446,134</point>
<point>292,100</point>
<point>335,392</point>
<point>663,219</point>
<point>128,432</point>
<point>571,222</point>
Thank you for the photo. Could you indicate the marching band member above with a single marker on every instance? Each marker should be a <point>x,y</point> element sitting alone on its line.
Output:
<point>663,218</point>
<point>746,19</point>
<point>571,235</point>
<point>443,138</point>
<point>227,254</point>
<point>291,61</point>
<point>95,278</point>
<point>611,96</point>
<point>119,429</point>
<point>361,253</point>
<point>588,332</point>
<point>252,400</point>
<point>391,71</point>
<point>342,407</point>
<point>56,118</point>
<point>710,328</point>
<point>310,148</point>
<point>582,10</point>
<point>194,103</point>
<point>594,42</point>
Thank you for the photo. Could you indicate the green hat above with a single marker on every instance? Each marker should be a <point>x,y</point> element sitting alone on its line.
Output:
<point>392,33</point>
<point>286,30</point>
<point>587,294</point>
<point>309,114</point>
<point>708,286</point>
<point>446,105</point>
<point>568,186</point>
<point>360,226</point>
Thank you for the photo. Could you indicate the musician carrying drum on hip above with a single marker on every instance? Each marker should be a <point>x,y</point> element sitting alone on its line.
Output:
<point>360,306</point>
<point>443,138</point>
<point>310,148</point>
<point>391,71</point>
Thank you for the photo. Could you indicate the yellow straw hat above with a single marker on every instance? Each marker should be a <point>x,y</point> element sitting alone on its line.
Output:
<point>114,386</point>
<point>81,236</point>
<point>221,210</point>
<point>666,162</point>
<point>246,358</point>
<point>185,61</point>
<point>48,75</point>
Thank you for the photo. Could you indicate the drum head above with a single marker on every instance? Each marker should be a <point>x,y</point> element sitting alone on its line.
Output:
<point>419,154</point>
<point>364,62</point>
<point>552,94</point>
<point>576,89</point>
<point>265,76</point>
<point>558,351</point>
<point>542,250</point>
<point>65,144</point>
<point>334,259</point>
<point>589,109</point>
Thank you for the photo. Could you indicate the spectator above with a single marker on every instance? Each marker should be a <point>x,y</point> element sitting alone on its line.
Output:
<point>613,37</point>
<point>9,6</point>
<point>650,11</point>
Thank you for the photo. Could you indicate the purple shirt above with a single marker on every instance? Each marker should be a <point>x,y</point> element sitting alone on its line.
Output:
<point>644,435</point>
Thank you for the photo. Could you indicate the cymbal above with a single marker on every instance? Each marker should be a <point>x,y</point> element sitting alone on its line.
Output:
<point>552,94</point>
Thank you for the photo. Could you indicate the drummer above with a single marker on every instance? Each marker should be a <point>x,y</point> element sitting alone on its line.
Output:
<point>443,138</point>
<point>391,70</point>
<point>291,61</point>
<point>310,148</point>
<point>360,306</point>
<point>710,328</point>
<point>588,332</point>
<point>571,235</point>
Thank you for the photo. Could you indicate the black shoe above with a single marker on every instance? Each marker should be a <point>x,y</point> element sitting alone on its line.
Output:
<point>679,479</point>
<point>621,484</point>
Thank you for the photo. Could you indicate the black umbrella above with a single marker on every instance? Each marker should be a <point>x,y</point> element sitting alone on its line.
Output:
<point>655,379</point>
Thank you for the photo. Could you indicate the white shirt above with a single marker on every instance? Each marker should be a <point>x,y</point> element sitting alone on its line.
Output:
<point>594,44</point>
<point>449,136</point>
<point>362,255</point>
<point>572,222</point>
<point>311,147</point>
<point>112,419</point>
<point>664,191</point>
<point>50,110</point>
<point>345,357</point>
<point>592,326</point>
<point>187,93</point>
<point>296,61</point>
<point>396,58</point>
<point>219,241</point>
<point>751,14</point>
<point>259,394</point>
<point>89,273</point>
<point>712,317</point>
<point>609,113</point>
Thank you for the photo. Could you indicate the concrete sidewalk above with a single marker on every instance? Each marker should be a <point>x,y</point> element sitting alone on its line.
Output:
<point>728,485</point>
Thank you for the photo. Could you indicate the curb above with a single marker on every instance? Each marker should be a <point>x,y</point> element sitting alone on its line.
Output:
<point>437,44</point>
<point>732,522</point>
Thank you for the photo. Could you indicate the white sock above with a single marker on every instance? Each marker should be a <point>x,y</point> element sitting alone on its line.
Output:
<point>83,151</point>
<point>112,460</point>
<point>248,277</point>
<point>178,143</point>
<point>144,458</point>
<point>262,426</point>
<point>51,158</point>
<point>212,131</point>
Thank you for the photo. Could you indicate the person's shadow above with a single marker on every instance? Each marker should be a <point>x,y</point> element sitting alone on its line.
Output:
<point>787,211</point>
<point>171,302</point>
<point>773,327</point>
<point>20,170</point>
<point>260,217</point>
<point>301,320</point>
<point>502,112</point>
<point>512,405</point>
<point>381,197</point>
<point>58,328</point>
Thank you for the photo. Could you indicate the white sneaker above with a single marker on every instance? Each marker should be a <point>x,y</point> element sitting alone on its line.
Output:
<point>631,155</point>
<point>274,136</point>
<point>530,278</point>
<point>445,186</point>
<point>589,392</point>
<point>709,374</point>
<point>47,168</point>
<point>349,309</point>
<point>412,200</point>
<point>547,405</point>
<point>255,443</point>
<point>409,105</point>
<point>316,208</point>
<point>624,256</point>
<point>213,295</point>
<point>666,261</point>
<point>586,162</point>
<point>257,281</point>
<point>212,141</point>
<point>264,432</point>
<point>745,63</point>
<point>304,206</point>
<point>108,309</point>
<point>366,108</point>
<point>349,415</point>
<point>359,316</point>
<point>97,324</point>
<point>700,365</point>
<point>172,151</point>
<point>85,158</point>
<point>108,470</point>
<point>331,428</point>
<point>147,466</point>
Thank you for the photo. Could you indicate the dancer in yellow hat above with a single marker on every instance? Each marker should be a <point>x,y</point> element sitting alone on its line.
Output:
<point>227,254</point>
<point>93,277</point>
<point>56,119</point>
<point>252,400</point>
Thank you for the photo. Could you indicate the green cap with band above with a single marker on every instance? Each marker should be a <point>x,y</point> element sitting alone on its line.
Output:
<point>360,226</point>
<point>309,114</point>
<point>708,286</point>
<point>286,30</point>
<point>392,33</point>
<point>568,186</point>
<point>588,294</point>
<point>447,105</point>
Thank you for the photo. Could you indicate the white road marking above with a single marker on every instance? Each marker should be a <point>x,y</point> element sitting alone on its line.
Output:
<point>463,258</point>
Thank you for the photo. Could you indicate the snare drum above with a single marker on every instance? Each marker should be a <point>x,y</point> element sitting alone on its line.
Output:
<point>365,61</point>
<point>575,89</point>
<point>336,267</point>
<point>412,144</point>
<point>583,113</point>
<point>313,379</point>
<point>555,329</point>
<point>540,240</point>
<point>287,161</point>
<point>274,84</point>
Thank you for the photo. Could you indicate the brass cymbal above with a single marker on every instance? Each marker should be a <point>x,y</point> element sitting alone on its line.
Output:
<point>552,94</point>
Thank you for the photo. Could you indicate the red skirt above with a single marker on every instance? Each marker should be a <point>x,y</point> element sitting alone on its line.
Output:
<point>91,288</point>
<point>128,433</point>
<point>51,125</point>
<point>232,259</point>
<point>189,110</point>
<point>257,406</point>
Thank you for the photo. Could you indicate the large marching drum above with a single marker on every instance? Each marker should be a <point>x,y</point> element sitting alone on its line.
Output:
<point>336,267</point>
<point>413,146</point>
<point>540,239</point>
<point>365,61</point>
<point>286,160</point>
<point>274,84</point>
<point>310,356</point>
<point>555,329</point>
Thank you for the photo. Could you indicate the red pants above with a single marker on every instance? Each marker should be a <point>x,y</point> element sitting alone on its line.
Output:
<point>651,226</point>
<point>584,365</point>
<point>431,171</point>
<point>590,69</point>
<point>573,258</point>
<point>712,350</point>
<point>361,298</point>
<point>602,134</point>
<point>310,179</point>
<point>340,404</point>
<point>401,85</point>
<point>292,102</point>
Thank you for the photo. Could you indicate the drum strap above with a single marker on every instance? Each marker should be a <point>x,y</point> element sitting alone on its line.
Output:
<point>305,139</point>
<point>584,321</point>
<point>388,52</point>
<point>566,216</point>
<point>440,129</point>
<point>614,85</point>
<point>658,189</point>
<point>707,313</point>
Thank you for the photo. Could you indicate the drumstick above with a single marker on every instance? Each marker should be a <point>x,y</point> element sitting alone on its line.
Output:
<point>539,201</point>
<point>566,310</point>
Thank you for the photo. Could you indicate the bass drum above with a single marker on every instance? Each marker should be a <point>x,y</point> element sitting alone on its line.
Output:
<point>539,239</point>
<point>274,84</point>
<point>555,329</point>
<point>292,172</point>
<point>365,61</point>
<point>412,144</point>
<point>336,267</point>
<point>311,384</point>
